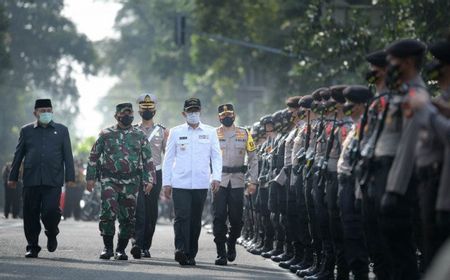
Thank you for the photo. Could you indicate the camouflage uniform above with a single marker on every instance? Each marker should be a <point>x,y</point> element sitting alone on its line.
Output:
<point>122,161</point>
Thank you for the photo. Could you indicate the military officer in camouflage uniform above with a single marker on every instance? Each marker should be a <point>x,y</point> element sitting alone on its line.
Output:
<point>147,204</point>
<point>236,143</point>
<point>121,160</point>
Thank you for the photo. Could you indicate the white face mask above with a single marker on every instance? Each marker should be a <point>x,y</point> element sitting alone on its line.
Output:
<point>193,118</point>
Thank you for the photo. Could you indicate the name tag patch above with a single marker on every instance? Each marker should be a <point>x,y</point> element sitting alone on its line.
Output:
<point>183,138</point>
<point>203,137</point>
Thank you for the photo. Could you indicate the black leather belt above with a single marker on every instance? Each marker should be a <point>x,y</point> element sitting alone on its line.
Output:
<point>236,169</point>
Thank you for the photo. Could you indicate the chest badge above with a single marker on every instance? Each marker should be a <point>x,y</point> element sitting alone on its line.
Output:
<point>55,132</point>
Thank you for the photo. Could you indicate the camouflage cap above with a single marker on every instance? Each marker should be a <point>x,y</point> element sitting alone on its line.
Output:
<point>124,107</point>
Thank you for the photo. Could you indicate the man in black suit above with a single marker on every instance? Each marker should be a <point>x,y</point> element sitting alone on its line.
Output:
<point>45,148</point>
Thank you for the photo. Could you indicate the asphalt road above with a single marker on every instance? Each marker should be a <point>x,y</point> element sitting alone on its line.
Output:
<point>80,245</point>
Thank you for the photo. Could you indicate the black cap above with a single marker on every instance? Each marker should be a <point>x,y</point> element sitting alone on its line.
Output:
<point>266,119</point>
<point>316,95</point>
<point>441,51</point>
<point>43,103</point>
<point>192,103</point>
<point>377,58</point>
<point>123,107</point>
<point>292,102</point>
<point>336,93</point>
<point>225,108</point>
<point>306,101</point>
<point>357,94</point>
<point>406,48</point>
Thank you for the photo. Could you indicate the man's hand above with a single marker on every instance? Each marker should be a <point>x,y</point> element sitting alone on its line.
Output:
<point>251,189</point>
<point>70,184</point>
<point>12,184</point>
<point>90,184</point>
<point>215,186</point>
<point>148,188</point>
<point>168,191</point>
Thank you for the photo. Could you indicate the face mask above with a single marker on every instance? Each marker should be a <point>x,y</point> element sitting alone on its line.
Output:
<point>348,109</point>
<point>45,118</point>
<point>393,76</point>
<point>227,121</point>
<point>126,120</point>
<point>148,115</point>
<point>433,71</point>
<point>193,118</point>
<point>372,76</point>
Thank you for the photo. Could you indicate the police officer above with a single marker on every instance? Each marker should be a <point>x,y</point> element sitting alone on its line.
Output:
<point>121,160</point>
<point>432,164</point>
<point>45,146</point>
<point>236,143</point>
<point>356,253</point>
<point>147,204</point>
<point>399,200</point>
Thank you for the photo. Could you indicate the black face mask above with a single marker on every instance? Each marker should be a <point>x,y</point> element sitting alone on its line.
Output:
<point>227,121</point>
<point>348,109</point>
<point>148,115</point>
<point>393,76</point>
<point>126,120</point>
<point>433,71</point>
<point>372,76</point>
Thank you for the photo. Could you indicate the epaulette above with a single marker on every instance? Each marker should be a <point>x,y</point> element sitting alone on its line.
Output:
<point>160,125</point>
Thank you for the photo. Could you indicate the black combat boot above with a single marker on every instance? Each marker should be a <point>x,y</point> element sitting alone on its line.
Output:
<point>306,262</point>
<point>231,251</point>
<point>326,271</point>
<point>313,269</point>
<point>120,250</point>
<point>221,254</point>
<point>274,252</point>
<point>286,255</point>
<point>108,251</point>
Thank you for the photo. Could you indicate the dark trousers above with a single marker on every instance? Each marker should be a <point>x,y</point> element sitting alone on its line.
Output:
<point>40,202</point>
<point>356,253</point>
<point>312,218</point>
<point>227,205</point>
<point>302,229</point>
<point>188,206</point>
<point>72,202</point>
<point>147,214</point>
<point>12,201</point>
<point>377,245</point>
<point>277,207</point>
<point>398,230</point>
<point>268,232</point>
<point>321,215</point>
<point>428,184</point>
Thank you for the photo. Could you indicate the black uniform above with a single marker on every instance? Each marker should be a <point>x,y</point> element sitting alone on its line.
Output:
<point>48,160</point>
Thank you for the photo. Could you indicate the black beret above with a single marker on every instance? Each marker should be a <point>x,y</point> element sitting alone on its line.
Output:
<point>43,103</point>
<point>406,48</point>
<point>266,119</point>
<point>192,103</point>
<point>377,58</point>
<point>306,101</point>
<point>336,93</point>
<point>326,94</point>
<point>292,102</point>
<point>316,95</point>
<point>124,106</point>
<point>278,116</point>
<point>358,94</point>
<point>225,108</point>
<point>441,51</point>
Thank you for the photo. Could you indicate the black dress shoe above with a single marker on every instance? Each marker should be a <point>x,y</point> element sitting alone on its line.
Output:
<point>32,252</point>
<point>52,243</point>
<point>135,252</point>
<point>121,255</point>
<point>191,261</point>
<point>107,254</point>
<point>281,258</point>
<point>181,257</point>
<point>287,264</point>
<point>146,253</point>
<point>221,260</point>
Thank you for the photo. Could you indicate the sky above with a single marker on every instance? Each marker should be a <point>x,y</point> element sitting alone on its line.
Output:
<point>95,18</point>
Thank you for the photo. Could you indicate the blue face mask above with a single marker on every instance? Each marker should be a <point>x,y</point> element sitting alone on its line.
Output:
<point>45,118</point>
